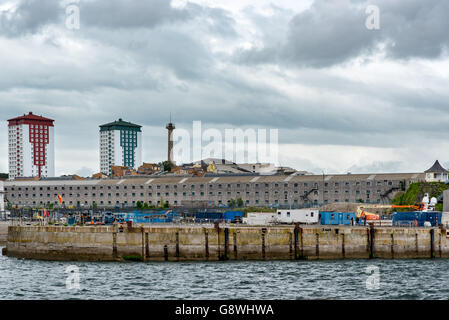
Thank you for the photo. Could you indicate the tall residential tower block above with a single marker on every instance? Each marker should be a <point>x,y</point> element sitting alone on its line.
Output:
<point>120,145</point>
<point>31,147</point>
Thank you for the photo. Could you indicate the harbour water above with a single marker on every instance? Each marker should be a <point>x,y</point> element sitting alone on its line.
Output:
<point>336,279</point>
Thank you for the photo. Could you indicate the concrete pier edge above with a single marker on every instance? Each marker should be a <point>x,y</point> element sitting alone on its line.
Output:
<point>221,243</point>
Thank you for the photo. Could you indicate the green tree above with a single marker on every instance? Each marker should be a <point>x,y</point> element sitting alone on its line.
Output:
<point>240,202</point>
<point>145,205</point>
<point>166,205</point>
<point>231,203</point>
<point>94,206</point>
<point>139,205</point>
<point>162,203</point>
<point>166,165</point>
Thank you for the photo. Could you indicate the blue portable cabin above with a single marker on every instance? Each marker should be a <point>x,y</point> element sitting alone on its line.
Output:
<point>162,216</point>
<point>209,216</point>
<point>408,218</point>
<point>232,216</point>
<point>434,217</point>
<point>71,220</point>
<point>329,218</point>
<point>348,218</point>
<point>338,218</point>
<point>108,218</point>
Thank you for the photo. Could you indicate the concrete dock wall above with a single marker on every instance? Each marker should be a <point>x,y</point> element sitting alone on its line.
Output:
<point>159,243</point>
<point>3,233</point>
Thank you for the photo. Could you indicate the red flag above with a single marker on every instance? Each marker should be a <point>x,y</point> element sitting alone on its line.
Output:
<point>60,199</point>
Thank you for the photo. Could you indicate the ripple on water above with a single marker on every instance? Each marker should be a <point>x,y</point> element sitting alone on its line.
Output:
<point>341,279</point>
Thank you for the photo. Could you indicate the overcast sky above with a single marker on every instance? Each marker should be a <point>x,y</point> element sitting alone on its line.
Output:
<point>343,97</point>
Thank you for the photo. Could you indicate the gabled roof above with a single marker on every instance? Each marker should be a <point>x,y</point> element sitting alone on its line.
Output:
<point>437,168</point>
<point>30,118</point>
<point>120,124</point>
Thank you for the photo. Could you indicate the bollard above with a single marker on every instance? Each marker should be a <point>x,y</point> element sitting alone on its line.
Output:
<point>114,245</point>
<point>296,232</point>
<point>264,230</point>
<point>235,244</point>
<point>165,253</point>
<point>432,236</point>
<point>416,244</point>
<point>147,246</point>
<point>177,245</point>
<point>217,227</point>
<point>371,240</point>
<point>206,236</point>
<point>226,245</point>
<point>392,245</point>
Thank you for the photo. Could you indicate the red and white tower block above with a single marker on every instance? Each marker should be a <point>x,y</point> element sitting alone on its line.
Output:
<point>31,146</point>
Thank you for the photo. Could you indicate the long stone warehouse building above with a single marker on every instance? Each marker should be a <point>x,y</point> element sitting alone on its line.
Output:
<point>255,190</point>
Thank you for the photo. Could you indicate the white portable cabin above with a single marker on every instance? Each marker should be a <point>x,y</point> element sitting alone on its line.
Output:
<point>260,218</point>
<point>308,216</point>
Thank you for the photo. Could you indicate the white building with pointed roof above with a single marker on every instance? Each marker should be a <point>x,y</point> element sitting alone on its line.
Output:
<point>436,173</point>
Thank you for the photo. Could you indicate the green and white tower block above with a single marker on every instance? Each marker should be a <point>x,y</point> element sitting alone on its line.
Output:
<point>120,145</point>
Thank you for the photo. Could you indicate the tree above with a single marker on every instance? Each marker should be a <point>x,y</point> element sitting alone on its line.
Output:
<point>240,202</point>
<point>139,205</point>
<point>145,205</point>
<point>231,203</point>
<point>167,165</point>
<point>162,203</point>
<point>166,205</point>
<point>94,206</point>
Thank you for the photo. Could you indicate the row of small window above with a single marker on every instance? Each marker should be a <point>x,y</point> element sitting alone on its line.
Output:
<point>158,194</point>
<point>184,186</point>
<point>175,202</point>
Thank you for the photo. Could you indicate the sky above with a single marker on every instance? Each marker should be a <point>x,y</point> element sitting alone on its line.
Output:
<point>344,98</point>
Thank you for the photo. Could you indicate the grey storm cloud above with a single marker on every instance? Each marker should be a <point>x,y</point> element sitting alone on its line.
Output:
<point>141,60</point>
<point>130,13</point>
<point>334,32</point>
<point>29,17</point>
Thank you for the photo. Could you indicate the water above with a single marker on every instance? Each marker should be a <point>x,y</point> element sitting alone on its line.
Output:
<point>341,279</point>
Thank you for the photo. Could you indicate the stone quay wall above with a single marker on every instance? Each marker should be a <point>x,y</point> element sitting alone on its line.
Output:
<point>193,243</point>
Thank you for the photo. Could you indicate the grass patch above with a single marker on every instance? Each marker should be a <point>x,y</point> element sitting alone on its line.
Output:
<point>415,193</point>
